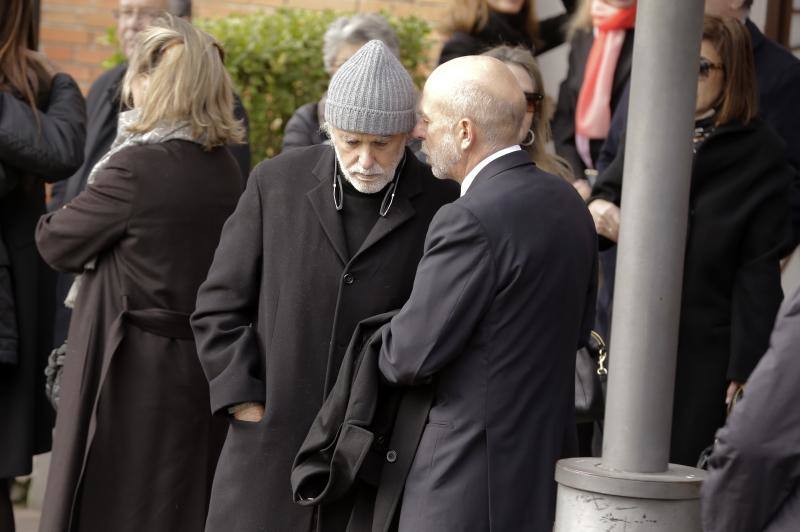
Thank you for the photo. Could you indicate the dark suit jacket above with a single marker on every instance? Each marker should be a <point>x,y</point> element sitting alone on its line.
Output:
<point>778,77</point>
<point>275,316</point>
<point>503,297</point>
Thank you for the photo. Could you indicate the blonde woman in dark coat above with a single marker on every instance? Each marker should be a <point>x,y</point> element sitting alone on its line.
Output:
<point>135,443</point>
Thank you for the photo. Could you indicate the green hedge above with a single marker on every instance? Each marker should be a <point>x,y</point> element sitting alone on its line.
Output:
<point>275,61</point>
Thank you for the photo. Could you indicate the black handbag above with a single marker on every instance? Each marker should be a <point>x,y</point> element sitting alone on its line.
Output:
<point>590,380</point>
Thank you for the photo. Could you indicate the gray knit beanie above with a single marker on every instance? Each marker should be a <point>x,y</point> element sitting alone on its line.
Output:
<point>372,93</point>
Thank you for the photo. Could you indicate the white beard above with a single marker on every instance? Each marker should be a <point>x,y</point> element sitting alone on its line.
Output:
<point>380,177</point>
<point>442,157</point>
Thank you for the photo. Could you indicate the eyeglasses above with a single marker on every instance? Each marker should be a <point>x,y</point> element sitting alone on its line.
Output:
<point>707,66</point>
<point>141,13</point>
<point>532,98</point>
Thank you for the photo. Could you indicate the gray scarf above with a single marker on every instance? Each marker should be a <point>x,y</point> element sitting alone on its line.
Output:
<point>126,139</point>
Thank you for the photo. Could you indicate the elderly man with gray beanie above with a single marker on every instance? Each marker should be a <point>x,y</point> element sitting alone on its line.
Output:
<point>344,37</point>
<point>323,237</point>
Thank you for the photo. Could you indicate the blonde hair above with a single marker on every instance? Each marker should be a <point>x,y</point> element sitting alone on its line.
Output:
<point>187,82</point>
<point>542,112</point>
<point>469,16</point>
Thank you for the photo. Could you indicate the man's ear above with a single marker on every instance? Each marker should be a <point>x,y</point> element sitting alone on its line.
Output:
<point>465,133</point>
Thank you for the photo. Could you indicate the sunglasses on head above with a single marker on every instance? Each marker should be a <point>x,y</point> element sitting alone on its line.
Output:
<point>532,98</point>
<point>707,66</point>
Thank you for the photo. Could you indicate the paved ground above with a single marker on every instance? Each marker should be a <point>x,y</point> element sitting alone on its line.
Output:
<point>27,520</point>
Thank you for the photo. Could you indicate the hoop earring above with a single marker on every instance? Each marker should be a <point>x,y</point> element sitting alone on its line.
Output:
<point>530,137</point>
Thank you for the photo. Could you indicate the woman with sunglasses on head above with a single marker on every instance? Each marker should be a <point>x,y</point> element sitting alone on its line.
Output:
<point>738,223</point>
<point>135,443</point>
<point>475,26</point>
<point>536,128</point>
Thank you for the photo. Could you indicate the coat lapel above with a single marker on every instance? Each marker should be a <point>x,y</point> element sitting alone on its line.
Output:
<point>321,198</point>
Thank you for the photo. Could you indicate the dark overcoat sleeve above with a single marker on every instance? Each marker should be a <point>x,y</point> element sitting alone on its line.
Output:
<point>227,303</point>
<point>757,292</point>
<point>453,288</point>
<point>94,221</point>
<point>756,460</point>
<point>48,144</point>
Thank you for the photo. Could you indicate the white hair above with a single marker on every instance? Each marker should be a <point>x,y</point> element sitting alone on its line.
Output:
<point>358,29</point>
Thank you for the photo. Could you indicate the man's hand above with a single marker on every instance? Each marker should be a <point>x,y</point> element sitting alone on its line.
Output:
<point>733,388</point>
<point>606,218</point>
<point>251,412</point>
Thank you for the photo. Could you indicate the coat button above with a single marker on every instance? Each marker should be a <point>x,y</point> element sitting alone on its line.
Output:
<point>348,278</point>
<point>391,457</point>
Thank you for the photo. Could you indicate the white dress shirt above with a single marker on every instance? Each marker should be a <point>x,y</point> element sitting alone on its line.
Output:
<point>481,165</point>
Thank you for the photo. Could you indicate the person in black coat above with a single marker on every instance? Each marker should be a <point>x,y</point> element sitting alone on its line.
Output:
<point>600,93</point>
<point>495,315</point>
<point>135,445</point>
<point>103,107</point>
<point>42,130</point>
<point>322,238</point>
<point>753,482</point>
<point>477,26</point>
<point>738,225</point>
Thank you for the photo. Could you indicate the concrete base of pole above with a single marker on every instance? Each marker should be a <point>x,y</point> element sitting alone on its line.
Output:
<point>594,499</point>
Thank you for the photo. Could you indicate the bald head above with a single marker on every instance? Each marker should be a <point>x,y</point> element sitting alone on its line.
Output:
<point>484,90</point>
<point>471,107</point>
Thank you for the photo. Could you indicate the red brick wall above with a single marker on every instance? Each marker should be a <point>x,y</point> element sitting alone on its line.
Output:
<point>71,29</point>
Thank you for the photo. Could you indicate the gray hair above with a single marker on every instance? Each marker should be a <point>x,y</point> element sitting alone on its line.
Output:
<point>180,8</point>
<point>499,119</point>
<point>358,29</point>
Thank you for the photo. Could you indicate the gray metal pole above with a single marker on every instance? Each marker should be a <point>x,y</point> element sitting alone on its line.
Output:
<point>658,162</point>
<point>633,485</point>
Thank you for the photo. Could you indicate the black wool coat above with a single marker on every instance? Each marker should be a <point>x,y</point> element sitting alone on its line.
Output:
<point>738,225</point>
<point>354,461</point>
<point>135,446</point>
<point>277,311</point>
<point>31,153</point>
<point>563,124</point>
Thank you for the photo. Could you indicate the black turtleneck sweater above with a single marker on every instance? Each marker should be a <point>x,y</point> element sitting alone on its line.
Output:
<point>359,214</point>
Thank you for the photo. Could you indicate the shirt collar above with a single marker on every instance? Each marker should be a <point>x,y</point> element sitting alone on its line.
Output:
<point>481,165</point>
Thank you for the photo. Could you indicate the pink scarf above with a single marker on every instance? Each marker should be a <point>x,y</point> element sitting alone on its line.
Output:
<point>593,115</point>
